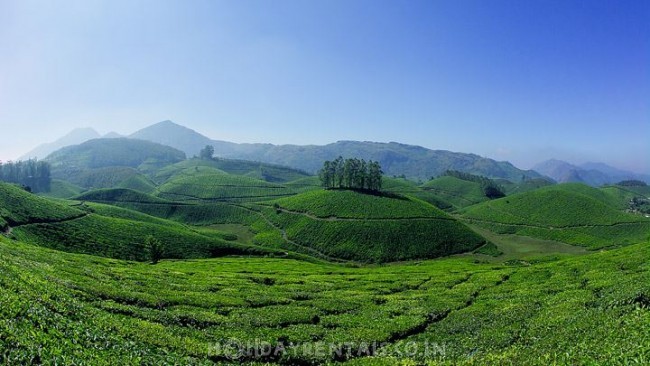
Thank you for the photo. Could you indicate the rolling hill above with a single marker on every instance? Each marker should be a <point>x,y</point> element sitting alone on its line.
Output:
<point>67,226</point>
<point>369,228</point>
<point>206,184</point>
<point>571,213</point>
<point>458,192</point>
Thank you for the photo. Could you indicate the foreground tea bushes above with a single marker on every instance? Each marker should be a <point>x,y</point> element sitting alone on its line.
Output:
<point>69,308</point>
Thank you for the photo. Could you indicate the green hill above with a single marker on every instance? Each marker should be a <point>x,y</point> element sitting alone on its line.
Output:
<point>112,177</point>
<point>571,213</point>
<point>458,192</point>
<point>213,185</point>
<point>62,189</point>
<point>73,160</point>
<point>56,224</point>
<point>524,186</point>
<point>261,171</point>
<point>369,228</point>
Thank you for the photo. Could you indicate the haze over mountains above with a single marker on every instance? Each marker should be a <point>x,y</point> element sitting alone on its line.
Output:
<point>593,174</point>
<point>397,159</point>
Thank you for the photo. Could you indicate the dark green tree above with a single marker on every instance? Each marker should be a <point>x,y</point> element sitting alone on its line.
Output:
<point>154,248</point>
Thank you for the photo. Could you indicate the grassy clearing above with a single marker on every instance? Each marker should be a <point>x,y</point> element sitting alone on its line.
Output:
<point>514,246</point>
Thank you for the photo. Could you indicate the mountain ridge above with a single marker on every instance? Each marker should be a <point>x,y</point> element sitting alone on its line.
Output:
<point>397,159</point>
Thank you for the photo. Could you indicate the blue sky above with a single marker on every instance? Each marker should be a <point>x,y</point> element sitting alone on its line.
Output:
<point>512,80</point>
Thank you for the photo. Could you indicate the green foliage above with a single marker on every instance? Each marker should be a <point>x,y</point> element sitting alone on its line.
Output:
<point>632,183</point>
<point>154,248</point>
<point>351,174</point>
<point>31,173</point>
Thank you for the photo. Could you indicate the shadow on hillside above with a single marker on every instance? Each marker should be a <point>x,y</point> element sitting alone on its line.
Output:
<point>372,193</point>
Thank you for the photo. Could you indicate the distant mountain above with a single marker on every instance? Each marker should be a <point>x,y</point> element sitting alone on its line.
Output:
<point>75,137</point>
<point>172,134</point>
<point>593,174</point>
<point>396,158</point>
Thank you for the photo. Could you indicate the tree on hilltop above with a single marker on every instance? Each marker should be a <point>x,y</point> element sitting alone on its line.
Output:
<point>351,174</point>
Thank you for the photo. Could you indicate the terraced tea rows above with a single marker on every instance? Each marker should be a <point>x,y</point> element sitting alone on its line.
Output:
<point>81,309</point>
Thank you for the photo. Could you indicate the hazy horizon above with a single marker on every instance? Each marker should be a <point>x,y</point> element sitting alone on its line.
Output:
<point>516,81</point>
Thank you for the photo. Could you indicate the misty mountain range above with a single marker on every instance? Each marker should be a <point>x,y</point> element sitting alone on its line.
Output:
<point>397,159</point>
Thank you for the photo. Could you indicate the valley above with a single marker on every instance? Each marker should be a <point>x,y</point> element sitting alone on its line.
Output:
<point>262,265</point>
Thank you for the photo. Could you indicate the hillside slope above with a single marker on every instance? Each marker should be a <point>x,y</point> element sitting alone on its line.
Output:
<point>79,309</point>
<point>56,224</point>
<point>369,228</point>
<point>113,152</point>
<point>572,213</point>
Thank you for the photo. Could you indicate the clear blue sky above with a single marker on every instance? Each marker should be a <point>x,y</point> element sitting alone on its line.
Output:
<point>513,80</point>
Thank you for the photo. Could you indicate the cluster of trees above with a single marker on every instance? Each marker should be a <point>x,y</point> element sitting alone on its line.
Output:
<point>632,183</point>
<point>34,175</point>
<point>207,152</point>
<point>352,174</point>
<point>490,188</point>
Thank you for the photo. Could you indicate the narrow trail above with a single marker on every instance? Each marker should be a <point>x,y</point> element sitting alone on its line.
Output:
<point>285,237</point>
<point>550,227</point>
<point>354,219</point>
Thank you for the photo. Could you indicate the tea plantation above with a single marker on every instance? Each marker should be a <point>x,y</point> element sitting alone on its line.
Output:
<point>78,309</point>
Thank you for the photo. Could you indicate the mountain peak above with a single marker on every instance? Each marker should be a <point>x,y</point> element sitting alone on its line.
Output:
<point>74,137</point>
<point>173,134</point>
